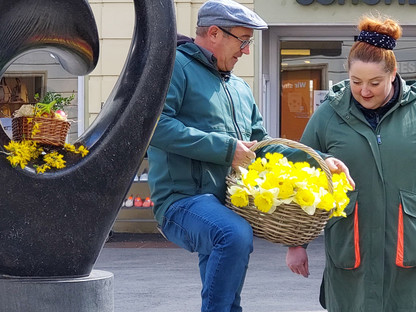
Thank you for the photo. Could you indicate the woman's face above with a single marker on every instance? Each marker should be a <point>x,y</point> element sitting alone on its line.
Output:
<point>371,86</point>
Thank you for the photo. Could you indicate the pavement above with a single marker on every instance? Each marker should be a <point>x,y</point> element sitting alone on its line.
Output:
<point>154,275</point>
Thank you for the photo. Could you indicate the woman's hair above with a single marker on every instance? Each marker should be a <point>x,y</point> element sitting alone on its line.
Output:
<point>368,53</point>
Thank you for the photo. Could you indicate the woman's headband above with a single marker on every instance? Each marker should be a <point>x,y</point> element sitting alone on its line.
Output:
<point>376,39</point>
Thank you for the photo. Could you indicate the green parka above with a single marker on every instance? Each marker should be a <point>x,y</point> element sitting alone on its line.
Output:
<point>371,254</point>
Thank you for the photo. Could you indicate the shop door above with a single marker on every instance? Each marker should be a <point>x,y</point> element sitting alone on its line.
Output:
<point>297,105</point>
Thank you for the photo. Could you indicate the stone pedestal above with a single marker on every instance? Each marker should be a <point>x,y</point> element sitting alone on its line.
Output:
<point>94,293</point>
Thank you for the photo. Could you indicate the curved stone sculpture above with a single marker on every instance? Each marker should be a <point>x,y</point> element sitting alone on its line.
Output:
<point>55,224</point>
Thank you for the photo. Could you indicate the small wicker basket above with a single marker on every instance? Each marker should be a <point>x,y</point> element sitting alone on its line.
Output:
<point>52,131</point>
<point>288,224</point>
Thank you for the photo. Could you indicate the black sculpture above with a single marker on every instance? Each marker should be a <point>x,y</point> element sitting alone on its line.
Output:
<point>55,224</point>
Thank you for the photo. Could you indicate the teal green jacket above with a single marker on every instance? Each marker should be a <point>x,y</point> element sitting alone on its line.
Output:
<point>371,254</point>
<point>194,142</point>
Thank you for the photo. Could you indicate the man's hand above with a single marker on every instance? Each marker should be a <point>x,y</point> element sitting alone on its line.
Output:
<point>337,166</point>
<point>297,260</point>
<point>243,155</point>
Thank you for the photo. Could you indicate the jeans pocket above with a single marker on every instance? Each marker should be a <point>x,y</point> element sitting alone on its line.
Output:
<point>177,234</point>
<point>342,237</point>
<point>406,231</point>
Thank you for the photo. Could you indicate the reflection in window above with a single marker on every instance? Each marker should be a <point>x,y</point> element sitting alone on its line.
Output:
<point>321,64</point>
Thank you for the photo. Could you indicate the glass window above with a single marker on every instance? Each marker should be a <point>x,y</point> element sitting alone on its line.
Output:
<point>310,68</point>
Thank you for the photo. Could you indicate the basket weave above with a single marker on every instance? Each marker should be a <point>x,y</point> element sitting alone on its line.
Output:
<point>288,224</point>
<point>52,131</point>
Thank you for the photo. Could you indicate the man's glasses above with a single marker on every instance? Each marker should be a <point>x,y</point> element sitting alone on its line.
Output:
<point>244,43</point>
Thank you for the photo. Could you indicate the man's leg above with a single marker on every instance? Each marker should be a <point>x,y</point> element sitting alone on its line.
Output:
<point>224,242</point>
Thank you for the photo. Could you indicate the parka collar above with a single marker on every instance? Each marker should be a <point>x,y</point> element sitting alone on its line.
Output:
<point>204,56</point>
<point>194,51</point>
<point>340,97</point>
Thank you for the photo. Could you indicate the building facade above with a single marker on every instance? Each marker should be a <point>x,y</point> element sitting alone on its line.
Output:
<point>290,68</point>
<point>291,65</point>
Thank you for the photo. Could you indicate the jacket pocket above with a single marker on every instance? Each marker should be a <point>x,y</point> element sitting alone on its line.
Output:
<point>406,231</point>
<point>342,237</point>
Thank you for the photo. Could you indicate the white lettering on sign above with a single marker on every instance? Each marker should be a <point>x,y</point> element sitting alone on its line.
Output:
<point>406,67</point>
<point>287,85</point>
<point>300,84</point>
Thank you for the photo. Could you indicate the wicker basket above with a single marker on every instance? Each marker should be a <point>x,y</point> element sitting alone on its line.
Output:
<point>52,131</point>
<point>288,224</point>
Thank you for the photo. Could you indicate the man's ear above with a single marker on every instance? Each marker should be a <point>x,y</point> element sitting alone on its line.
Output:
<point>213,33</point>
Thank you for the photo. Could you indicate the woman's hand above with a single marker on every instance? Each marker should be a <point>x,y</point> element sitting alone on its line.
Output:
<point>297,260</point>
<point>337,166</point>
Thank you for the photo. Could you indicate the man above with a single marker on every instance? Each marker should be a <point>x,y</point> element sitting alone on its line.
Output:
<point>209,122</point>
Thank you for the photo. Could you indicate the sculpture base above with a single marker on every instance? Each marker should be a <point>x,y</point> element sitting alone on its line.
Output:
<point>94,293</point>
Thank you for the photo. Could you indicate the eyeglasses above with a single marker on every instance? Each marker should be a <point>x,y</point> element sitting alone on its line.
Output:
<point>244,43</point>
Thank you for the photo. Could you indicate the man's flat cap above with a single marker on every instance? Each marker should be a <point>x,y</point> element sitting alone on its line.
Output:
<point>228,13</point>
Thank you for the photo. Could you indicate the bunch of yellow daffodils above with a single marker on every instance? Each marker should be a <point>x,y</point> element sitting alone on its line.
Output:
<point>273,180</point>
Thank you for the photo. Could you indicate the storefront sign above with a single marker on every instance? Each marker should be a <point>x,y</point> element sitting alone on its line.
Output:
<point>369,2</point>
<point>406,67</point>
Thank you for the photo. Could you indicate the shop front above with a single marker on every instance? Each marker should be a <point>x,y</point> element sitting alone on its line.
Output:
<point>304,52</point>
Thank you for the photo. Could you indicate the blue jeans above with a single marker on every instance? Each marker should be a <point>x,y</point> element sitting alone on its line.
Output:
<point>223,240</point>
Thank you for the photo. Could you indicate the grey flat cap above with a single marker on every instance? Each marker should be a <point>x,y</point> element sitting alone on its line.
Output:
<point>228,13</point>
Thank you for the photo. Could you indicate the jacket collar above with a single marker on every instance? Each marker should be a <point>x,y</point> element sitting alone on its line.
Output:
<point>204,56</point>
<point>340,97</point>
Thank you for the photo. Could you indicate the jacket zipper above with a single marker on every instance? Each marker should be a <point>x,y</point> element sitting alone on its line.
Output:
<point>377,129</point>
<point>233,117</point>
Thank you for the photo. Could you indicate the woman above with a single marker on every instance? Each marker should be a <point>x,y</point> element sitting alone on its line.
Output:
<point>368,121</point>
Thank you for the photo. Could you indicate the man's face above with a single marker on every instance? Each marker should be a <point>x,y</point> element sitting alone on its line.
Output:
<point>227,48</point>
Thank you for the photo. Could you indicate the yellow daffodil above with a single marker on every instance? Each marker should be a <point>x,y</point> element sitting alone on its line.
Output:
<point>274,158</point>
<point>265,200</point>
<point>306,199</point>
<point>239,196</point>
<point>286,189</point>
<point>327,201</point>
<point>340,179</point>
<point>257,165</point>
<point>302,165</point>
<point>271,180</point>
<point>250,178</point>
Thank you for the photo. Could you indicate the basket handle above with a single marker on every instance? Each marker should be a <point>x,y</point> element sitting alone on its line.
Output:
<point>301,147</point>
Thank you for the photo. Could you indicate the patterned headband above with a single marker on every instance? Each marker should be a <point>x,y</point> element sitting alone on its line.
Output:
<point>376,39</point>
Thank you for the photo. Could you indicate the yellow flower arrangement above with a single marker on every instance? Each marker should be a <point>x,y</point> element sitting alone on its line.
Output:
<point>28,149</point>
<point>273,180</point>
<point>21,153</point>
